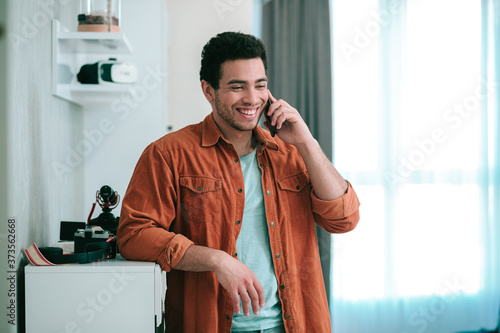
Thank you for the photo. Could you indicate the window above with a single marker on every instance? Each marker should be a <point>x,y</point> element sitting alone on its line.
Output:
<point>409,135</point>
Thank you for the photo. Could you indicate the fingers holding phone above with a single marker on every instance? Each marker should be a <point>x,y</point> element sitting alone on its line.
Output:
<point>284,120</point>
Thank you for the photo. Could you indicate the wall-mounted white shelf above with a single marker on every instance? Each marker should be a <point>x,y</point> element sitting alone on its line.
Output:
<point>71,50</point>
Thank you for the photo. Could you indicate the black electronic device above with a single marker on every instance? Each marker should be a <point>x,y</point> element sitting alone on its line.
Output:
<point>108,71</point>
<point>93,252</point>
<point>108,199</point>
<point>88,237</point>
<point>272,128</point>
<point>68,229</point>
<point>101,229</point>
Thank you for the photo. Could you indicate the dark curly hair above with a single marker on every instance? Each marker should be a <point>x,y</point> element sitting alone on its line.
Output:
<point>228,46</point>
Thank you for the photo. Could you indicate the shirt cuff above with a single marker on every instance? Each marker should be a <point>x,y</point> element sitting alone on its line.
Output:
<point>174,252</point>
<point>339,208</point>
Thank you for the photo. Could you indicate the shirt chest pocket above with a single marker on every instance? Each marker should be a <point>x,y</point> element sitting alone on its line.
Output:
<point>295,196</point>
<point>201,198</point>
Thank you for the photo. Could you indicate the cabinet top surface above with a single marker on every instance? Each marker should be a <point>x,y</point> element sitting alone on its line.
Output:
<point>108,265</point>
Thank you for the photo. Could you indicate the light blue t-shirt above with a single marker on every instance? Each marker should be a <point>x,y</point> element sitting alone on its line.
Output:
<point>254,250</point>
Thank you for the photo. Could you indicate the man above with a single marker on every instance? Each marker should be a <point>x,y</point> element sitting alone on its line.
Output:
<point>230,211</point>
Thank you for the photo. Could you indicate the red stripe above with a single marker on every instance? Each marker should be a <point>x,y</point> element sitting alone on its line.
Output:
<point>35,260</point>
<point>30,258</point>
<point>39,255</point>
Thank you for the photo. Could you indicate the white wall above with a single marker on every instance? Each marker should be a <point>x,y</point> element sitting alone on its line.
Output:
<point>4,283</point>
<point>136,118</point>
<point>191,24</point>
<point>38,126</point>
<point>170,39</point>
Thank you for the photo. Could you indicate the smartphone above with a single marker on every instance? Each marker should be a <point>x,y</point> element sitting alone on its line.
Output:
<point>272,128</point>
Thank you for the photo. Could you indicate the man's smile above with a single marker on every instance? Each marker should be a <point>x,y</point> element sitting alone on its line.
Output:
<point>247,111</point>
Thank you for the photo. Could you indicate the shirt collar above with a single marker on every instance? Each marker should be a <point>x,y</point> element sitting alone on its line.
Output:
<point>211,135</point>
<point>210,132</point>
<point>265,139</point>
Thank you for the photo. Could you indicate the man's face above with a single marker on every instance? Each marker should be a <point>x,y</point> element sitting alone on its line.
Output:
<point>241,95</point>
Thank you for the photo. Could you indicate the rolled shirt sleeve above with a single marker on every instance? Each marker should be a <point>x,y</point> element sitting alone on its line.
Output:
<point>174,252</point>
<point>147,221</point>
<point>338,215</point>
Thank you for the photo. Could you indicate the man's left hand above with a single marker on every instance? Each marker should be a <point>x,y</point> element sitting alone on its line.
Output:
<point>291,127</point>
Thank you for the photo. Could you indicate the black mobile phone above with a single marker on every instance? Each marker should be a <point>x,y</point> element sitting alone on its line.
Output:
<point>272,128</point>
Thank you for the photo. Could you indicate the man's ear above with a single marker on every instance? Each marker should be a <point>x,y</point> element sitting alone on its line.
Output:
<point>208,91</point>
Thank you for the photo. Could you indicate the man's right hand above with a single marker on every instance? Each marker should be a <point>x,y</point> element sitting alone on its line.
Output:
<point>240,282</point>
<point>234,276</point>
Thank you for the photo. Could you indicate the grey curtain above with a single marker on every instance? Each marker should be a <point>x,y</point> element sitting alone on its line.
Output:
<point>297,38</point>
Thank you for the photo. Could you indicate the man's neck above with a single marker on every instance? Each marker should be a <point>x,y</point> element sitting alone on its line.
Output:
<point>243,142</point>
<point>244,148</point>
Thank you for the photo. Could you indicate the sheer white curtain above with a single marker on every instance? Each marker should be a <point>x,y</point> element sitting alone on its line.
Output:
<point>416,127</point>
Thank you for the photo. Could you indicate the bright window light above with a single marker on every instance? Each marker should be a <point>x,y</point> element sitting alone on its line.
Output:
<point>355,75</point>
<point>399,242</point>
<point>443,91</point>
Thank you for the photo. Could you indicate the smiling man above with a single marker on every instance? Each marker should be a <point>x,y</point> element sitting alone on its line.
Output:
<point>229,212</point>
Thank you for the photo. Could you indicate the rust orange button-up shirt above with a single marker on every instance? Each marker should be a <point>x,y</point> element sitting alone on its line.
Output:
<point>187,188</point>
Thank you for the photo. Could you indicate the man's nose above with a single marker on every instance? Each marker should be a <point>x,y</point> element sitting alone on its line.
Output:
<point>251,97</point>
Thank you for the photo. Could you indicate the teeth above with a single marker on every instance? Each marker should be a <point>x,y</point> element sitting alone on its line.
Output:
<point>247,111</point>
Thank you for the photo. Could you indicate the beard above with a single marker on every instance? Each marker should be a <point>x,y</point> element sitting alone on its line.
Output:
<point>228,116</point>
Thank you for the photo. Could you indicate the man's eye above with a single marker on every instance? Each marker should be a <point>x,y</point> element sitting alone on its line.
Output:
<point>236,87</point>
<point>262,86</point>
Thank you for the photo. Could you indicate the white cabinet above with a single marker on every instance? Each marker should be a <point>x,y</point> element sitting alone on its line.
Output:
<point>71,50</point>
<point>107,296</point>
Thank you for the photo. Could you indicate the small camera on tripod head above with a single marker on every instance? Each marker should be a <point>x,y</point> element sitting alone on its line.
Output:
<point>103,228</point>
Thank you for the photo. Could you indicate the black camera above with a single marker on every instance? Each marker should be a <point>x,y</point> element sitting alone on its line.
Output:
<point>94,238</point>
<point>98,233</point>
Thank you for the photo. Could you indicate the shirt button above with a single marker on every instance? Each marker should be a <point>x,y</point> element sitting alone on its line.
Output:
<point>236,160</point>
<point>199,188</point>
<point>287,316</point>
<point>297,187</point>
<point>240,190</point>
<point>228,317</point>
<point>277,255</point>
<point>271,224</point>
<point>235,254</point>
<point>282,286</point>
<point>261,165</point>
<point>238,222</point>
<point>268,192</point>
